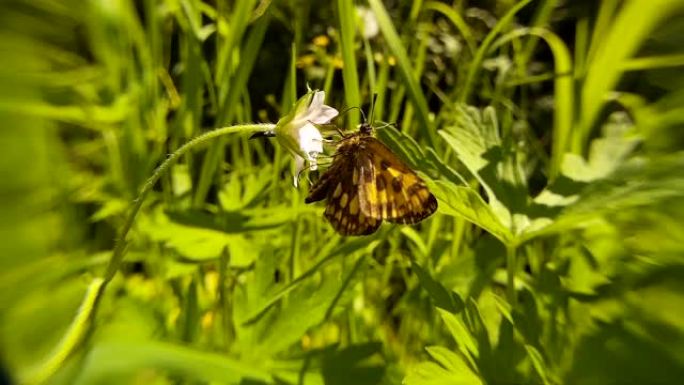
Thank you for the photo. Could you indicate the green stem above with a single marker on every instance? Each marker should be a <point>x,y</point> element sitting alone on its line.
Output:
<point>511,270</point>
<point>80,327</point>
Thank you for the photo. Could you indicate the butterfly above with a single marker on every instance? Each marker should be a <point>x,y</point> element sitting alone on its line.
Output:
<point>366,184</point>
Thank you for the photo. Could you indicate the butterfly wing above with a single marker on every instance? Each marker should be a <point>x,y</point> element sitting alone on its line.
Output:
<point>390,190</point>
<point>340,185</point>
<point>320,189</point>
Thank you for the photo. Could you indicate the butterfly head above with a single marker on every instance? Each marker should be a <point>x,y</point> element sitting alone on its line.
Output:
<point>365,129</point>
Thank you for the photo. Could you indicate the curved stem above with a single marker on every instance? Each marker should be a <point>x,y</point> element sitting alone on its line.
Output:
<point>118,253</point>
<point>80,326</point>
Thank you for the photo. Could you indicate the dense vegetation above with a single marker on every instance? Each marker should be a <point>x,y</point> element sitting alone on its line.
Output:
<point>550,131</point>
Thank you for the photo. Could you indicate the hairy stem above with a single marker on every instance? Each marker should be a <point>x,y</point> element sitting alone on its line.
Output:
<point>80,326</point>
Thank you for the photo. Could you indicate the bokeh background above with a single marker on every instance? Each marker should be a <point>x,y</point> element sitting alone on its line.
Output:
<point>550,131</point>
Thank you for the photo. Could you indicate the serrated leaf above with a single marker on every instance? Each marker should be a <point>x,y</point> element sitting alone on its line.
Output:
<point>404,146</point>
<point>452,370</point>
<point>420,159</point>
<point>199,236</point>
<point>429,373</point>
<point>636,184</point>
<point>450,361</point>
<point>467,203</point>
<point>474,136</point>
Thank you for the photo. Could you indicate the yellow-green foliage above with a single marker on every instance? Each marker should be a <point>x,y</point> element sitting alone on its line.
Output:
<point>146,239</point>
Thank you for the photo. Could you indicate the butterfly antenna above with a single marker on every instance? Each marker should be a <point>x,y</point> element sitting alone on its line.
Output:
<point>363,114</point>
<point>349,109</point>
<point>333,125</point>
<point>352,108</point>
<point>340,131</point>
<point>387,125</point>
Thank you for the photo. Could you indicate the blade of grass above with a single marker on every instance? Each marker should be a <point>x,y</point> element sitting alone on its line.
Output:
<point>564,92</point>
<point>238,24</point>
<point>456,19</point>
<point>381,90</point>
<point>347,16</point>
<point>406,70</point>
<point>540,20</point>
<point>652,62</point>
<point>228,105</point>
<point>476,64</point>
<point>632,26</point>
<point>370,65</point>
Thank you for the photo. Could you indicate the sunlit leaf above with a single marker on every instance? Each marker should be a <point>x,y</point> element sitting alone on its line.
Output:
<point>466,203</point>
<point>117,358</point>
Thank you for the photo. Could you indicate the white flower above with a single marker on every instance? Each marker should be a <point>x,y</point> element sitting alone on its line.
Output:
<point>368,23</point>
<point>298,133</point>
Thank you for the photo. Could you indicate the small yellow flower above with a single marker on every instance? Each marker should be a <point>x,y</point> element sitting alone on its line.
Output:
<point>321,41</point>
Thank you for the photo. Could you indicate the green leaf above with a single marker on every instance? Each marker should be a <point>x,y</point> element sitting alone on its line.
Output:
<point>306,307</point>
<point>452,370</point>
<point>345,249</point>
<point>242,191</point>
<point>466,344</point>
<point>361,362</point>
<point>442,298</point>
<point>631,26</point>
<point>466,203</point>
<point>474,136</point>
<point>537,362</point>
<point>201,236</point>
<point>405,147</point>
<point>637,184</point>
<point>430,373</point>
<point>606,154</point>
<point>473,271</point>
<point>347,17</point>
<point>405,69</point>
<point>109,359</point>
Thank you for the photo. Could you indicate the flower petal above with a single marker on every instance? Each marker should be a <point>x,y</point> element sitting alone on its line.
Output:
<point>323,115</point>
<point>299,166</point>
<point>298,133</point>
<point>317,100</point>
<point>310,140</point>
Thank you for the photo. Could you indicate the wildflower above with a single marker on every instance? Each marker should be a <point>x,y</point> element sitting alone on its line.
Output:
<point>298,133</point>
<point>367,22</point>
